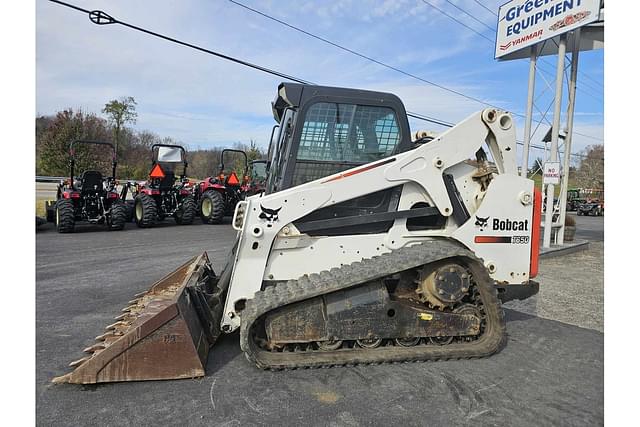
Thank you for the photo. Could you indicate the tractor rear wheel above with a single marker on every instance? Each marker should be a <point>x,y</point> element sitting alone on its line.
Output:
<point>118,216</point>
<point>145,211</point>
<point>64,216</point>
<point>185,214</point>
<point>212,207</point>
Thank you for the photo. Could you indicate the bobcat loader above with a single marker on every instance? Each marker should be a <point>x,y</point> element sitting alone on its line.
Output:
<point>364,248</point>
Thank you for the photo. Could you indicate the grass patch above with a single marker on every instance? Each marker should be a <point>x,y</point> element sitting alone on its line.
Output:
<point>40,209</point>
<point>537,179</point>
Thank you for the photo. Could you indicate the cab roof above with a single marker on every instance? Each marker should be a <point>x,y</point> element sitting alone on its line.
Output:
<point>293,95</point>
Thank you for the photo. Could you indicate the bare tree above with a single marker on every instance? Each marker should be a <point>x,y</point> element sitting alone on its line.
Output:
<point>590,173</point>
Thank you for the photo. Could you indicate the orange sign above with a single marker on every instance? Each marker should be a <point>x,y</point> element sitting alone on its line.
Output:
<point>156,172</point>
<point>233,179</point>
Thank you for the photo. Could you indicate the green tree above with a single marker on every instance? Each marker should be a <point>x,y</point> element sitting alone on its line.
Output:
<point>52,143</point>
<point>120,112</point>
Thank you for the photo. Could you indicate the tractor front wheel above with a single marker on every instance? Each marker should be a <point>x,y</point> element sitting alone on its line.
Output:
<point>145,211</point>
<point>212,207</point>
<point>117,216</point>
<point>185,214</point>
<point>64,216</point>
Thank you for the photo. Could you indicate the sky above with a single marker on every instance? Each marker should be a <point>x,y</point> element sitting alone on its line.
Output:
<point>204,101</point>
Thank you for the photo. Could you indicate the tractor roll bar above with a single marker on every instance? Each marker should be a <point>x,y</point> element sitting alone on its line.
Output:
<point>72,153</point>
<point>246,159</point>
<point>181,148</point>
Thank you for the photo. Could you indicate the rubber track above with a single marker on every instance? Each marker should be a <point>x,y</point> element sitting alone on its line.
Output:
<point>272,298</point>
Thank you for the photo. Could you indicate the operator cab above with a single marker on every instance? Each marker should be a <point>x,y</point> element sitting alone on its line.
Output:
<point>325,130</point>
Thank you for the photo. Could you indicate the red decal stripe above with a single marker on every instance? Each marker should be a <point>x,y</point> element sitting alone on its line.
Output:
<point>492,239</point>
<point>357,171</point>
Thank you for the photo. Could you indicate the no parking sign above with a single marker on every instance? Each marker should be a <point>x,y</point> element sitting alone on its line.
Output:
<point>551,173</point>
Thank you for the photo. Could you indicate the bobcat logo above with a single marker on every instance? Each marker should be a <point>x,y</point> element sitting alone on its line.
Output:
<point>481,222</point>
<point>271,215</point>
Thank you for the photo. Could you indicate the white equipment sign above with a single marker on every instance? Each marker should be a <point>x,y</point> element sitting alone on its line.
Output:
<point>551,173</point>
<point>522,23</point>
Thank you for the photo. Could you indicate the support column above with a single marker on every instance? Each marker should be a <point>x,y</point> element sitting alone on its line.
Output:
<point>567,141</point>
<point>529,114</point>
<point>555,131</point>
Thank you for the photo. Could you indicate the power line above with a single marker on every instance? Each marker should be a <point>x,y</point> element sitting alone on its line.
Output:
<point>293,27</point>
<point>579,71</point>
<point>486,8</point>
<point>470,15</point>
<point>455,19</point>
<point>101,18</point>
<point>481,35</point>
<point>494,32</point>
<point>361,55</point>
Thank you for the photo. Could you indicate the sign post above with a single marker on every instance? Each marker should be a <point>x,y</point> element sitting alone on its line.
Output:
<point>569,138</point>
<point>555,131</point>
<point>527,124</point>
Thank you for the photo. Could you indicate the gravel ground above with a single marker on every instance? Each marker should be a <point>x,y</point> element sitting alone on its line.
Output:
<point>571,289</point>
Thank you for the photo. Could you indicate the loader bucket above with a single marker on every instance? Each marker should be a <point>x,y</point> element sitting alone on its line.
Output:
<point>164,333</point>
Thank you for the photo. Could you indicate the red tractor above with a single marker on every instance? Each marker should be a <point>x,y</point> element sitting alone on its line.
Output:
<point>163,194</point>
<point>217,196</point>
<point>90,197</point>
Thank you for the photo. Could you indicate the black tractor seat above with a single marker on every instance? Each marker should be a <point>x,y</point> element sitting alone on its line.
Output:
<point>167,182</point>
<point>90,181</point>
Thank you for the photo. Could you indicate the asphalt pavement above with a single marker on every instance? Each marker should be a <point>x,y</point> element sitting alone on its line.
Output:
<point>589,227</point>
<point>550,373</point>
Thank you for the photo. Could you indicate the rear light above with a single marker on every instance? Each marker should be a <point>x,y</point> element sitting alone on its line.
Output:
<point>221,177</point>
<point>112,196</point>
<point>154,192</point>
<point>535,233</point>
<point>184,192</point>
<point>71,195</point>
<point>245,179</point>
<point>238,216</point>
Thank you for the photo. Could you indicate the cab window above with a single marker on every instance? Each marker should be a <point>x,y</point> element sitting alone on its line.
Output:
<point>348,133</point>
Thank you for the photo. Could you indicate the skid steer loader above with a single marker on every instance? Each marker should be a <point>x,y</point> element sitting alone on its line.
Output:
<point>364,248</point>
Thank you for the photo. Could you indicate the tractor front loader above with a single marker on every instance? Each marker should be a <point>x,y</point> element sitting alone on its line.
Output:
<point>403,257</point>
